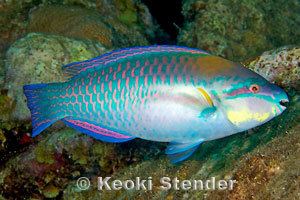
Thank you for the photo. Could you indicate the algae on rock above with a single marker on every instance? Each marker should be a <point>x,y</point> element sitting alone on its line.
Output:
<point>116,24</point>
<point>38,58</point>
<point>240,29</point>
<point>280,66</point>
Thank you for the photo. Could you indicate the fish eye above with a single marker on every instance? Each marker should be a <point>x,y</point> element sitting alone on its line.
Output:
<point>254,88</point>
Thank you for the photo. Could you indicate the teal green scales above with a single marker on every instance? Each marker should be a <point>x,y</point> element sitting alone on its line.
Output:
<point>161,93</point>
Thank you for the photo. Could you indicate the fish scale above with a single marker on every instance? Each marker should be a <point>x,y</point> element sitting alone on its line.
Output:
<point>173,94</point>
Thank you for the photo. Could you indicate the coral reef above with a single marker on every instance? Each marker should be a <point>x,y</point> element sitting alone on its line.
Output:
<point>13,16</point>
<point>279,66</point>
<point>121,17</point>
<point>61,156</point>
<point>88,25</point>
<point>66,21</point>
<point>239,30</point>
<point>38,58</point>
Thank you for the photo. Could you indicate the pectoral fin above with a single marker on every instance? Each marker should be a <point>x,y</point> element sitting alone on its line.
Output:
<point>206,100</point>
<point>180,151</point>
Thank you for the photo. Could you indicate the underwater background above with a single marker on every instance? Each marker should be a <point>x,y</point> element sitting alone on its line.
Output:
<point>37,37</point>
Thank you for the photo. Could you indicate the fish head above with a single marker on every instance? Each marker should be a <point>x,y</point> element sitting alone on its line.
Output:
<point>248,100</point>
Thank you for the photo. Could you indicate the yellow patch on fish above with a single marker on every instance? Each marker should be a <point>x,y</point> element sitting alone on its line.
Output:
<point>245,115</point>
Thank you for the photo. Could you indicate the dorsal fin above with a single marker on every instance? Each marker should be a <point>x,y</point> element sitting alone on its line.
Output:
<point>75,68</point>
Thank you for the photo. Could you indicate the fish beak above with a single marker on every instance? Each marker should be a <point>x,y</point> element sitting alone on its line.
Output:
<point>280,97</point>
<point>283,103</point>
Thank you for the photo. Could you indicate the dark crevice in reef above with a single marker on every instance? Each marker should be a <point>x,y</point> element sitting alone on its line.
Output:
<point>168,15</point>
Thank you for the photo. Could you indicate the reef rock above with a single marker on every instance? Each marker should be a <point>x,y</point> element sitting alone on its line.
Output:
<point>13,16</point>
<point>240,29</point>
<point>60,155</point>
<point>38,58</point>
<point>122,23</point>
<point>280,66</point>
<point>70,22</point>
<point>63,155</point>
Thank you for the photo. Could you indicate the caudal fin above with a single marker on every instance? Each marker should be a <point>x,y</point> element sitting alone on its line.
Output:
<point>39,106</point>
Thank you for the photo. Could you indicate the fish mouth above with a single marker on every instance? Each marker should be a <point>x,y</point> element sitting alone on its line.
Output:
<point>283,103</point>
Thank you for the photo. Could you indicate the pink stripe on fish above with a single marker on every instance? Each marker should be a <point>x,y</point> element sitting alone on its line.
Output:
<point>91,81</point>
<point>106,96</point>
<point>98,98</point>
<point>173,60</point>
<point>41,122</point>
<point>73,91</point>
<point>187,78</point>
<point>124,74</point>
<point>163,78</point>
<point>137,63</point>
<point>109,105</point>
<point>184,68</point>
<point>132,72</point>
<point>126,103</point>
<point>151,70</point>
<point>179,78</point>
<point>119,84</point>
<point>159,69</point>
<point>79,89</point>
<point>142,71</point>
<point>115,75</point>
<point>243,90</point>
<point>154,78</point>
<point>94,89</point>
<point>131,94</point>
<point>168,69</point>
<point>148,95</point>
<point>165,60</point>
<point>122,94</point>
<point>119,67</point>
<point>140,93</point>
<point>171,79</point>
<point>181,60</point>
<point>96,129</point>
<point>128,65</point>
<point>146,81</point>
<point>114,96</point>
<point>148,63</point>
<point>102,87</point>
<point>110,85</point>
<point>127,82</point>
<point>93,103</point>
<point>136,82</point>
<point>176,69</point>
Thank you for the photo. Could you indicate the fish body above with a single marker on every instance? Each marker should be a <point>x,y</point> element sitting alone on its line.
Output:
<point>173,94</point>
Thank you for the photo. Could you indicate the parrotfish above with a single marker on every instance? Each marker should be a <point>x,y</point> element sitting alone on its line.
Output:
<point>174,94</point>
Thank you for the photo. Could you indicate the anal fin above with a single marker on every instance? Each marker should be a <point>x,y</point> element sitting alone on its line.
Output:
<point>96,131</point>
